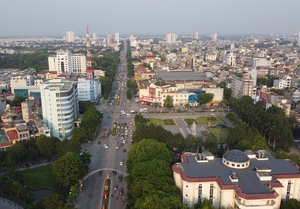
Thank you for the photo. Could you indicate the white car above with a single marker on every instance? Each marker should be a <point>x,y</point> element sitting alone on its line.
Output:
<point>121,163</point>
<point>123,141</point>
<point>297,140</point>
<point>105,146</point>
<point>117,148</point>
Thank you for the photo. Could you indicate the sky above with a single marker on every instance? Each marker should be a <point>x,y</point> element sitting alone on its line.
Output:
<point>148,17</point>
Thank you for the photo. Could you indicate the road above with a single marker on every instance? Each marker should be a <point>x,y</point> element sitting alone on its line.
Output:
<point>91,196</point>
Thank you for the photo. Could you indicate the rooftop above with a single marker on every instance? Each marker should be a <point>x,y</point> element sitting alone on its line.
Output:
<point>248,181</point>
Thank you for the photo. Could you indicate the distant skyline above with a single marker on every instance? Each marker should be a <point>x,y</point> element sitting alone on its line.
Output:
<point>54,18</point>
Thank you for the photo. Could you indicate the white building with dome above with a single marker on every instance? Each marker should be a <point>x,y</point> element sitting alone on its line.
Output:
<point>238,179</point>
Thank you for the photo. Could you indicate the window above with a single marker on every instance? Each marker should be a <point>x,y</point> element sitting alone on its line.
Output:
<point>211,193</point>
<point>288,190</point>
<point>186,185</point>
<point>199,193</point>
<point>233,164</point>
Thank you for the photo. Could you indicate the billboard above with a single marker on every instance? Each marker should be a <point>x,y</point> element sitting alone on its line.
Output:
<point>152,91</point>
<point>264,96</point>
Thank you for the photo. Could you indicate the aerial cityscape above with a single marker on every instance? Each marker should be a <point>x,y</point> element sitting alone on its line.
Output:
<point>136,105</point>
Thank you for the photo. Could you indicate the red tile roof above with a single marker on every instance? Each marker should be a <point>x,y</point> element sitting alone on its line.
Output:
<point>12,135</point>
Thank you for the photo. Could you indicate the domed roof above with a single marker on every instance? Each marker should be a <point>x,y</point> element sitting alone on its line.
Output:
<point>236,155</point>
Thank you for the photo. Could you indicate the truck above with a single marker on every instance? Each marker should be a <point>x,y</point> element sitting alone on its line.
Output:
<point>144,110</point>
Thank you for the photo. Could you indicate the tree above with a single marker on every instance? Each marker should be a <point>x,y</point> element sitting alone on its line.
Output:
<point>46,145</point>
<point>244,145</point>
<point>67,169</point>
<point>205,98</point>
<point>129,94</point>
<point>187,106</point>
<point>290,204</point>
<point>53,202</point>
<point>17,101</point>
<point>15,153</point>
<point>205,204</point>
<point>168,102</point>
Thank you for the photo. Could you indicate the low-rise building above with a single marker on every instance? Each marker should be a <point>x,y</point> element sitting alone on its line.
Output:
<point>237,180</point>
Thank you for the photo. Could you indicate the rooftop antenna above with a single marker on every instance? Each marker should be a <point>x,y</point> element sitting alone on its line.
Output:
<point>89,70</point>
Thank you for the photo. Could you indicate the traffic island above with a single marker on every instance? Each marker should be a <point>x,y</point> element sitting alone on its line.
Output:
<point>114,129</point>
<point>105,196</point>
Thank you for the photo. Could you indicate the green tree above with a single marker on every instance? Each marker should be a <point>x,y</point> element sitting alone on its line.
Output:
<point>187,106</point>
<point>205,204</point>
<point>17,101</point>
<point>290,204</point>
<point>67,169</point>
<point>205,98</point>
<point>244,145</point>
<point>168,102</point>
<point>46,145</point>
<point>129,94</point>
<point>53,202</point>
<point>15,153</point>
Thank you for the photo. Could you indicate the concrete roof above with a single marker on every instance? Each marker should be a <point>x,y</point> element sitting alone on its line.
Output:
<point>247,178</point>
<point>180,75</point>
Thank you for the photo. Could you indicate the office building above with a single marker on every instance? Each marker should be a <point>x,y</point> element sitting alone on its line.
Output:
<point>60,106</point>
<point>79,63</point>
<point>214,37</point>
<point>171,38</point>
<point>70,36</point>
<point>94,36</point>
<point>195,35</point>
<point>239,179</point>
<point>89,89</point>
<point>229,58</point>
<point>61,62</point>
<point>243,85</point>
<point>20,81</point>
<point>117,37</point>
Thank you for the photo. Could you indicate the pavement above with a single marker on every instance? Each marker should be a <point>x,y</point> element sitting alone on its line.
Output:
<point>7,204</point>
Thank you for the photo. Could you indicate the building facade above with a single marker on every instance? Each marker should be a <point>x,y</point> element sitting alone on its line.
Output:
<point>79,64</point>
<point>20,81</point>
<point>229,58</point>
<point>88,89</point>
<point>70,36</point>
<point>242,85</point>
<point>171,38</point>
<point>195,35</point>
<point>244,180</point>
<point>61,62</point>
<point>60,106</point>
<point>117,37</point>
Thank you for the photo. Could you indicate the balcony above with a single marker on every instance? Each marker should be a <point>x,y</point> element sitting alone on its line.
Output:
<point>246,204</point>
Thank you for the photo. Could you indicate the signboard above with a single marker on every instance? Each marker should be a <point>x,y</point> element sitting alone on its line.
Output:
<point>153,99</point>
<point>264,96</point>
<point>152,91</point>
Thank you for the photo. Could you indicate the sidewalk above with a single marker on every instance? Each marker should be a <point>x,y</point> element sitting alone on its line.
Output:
<point>7,204</point>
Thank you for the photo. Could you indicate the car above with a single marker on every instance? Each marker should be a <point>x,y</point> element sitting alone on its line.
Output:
<point>100,173</point>
<point>121,163</point>
<point>105,146</point>
<point>117,148</point>
<point>297,140</point>
<point>124,141</point>
<point>124,150</point>
<point>121,191</point>
<point>120,178</point>
<point>99,142</point>
<point>116,187</point>
<point>114,172</point>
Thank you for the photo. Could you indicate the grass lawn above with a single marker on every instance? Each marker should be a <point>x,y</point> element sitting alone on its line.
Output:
<point>43,177</point>
<point>204,120</point>
<point>155,121</point>
<point>169,122</point>
<point>160,122</point>
<point>220,133</point>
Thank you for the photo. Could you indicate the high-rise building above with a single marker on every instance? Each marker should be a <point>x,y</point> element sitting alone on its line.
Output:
<point>299,39</point>
<point>60,106</point>
<point>89,89</point>
<point>70,36</point>
<point>94,36</point>
<point>214,37</point>
<point>62,62</point>
<point>195,35</point>
<point>171,38</point>
<point>79,63</point>
<point>66,63</point>
<point>229,58</point>
<point>117,37</point>
<point>243,86</point>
